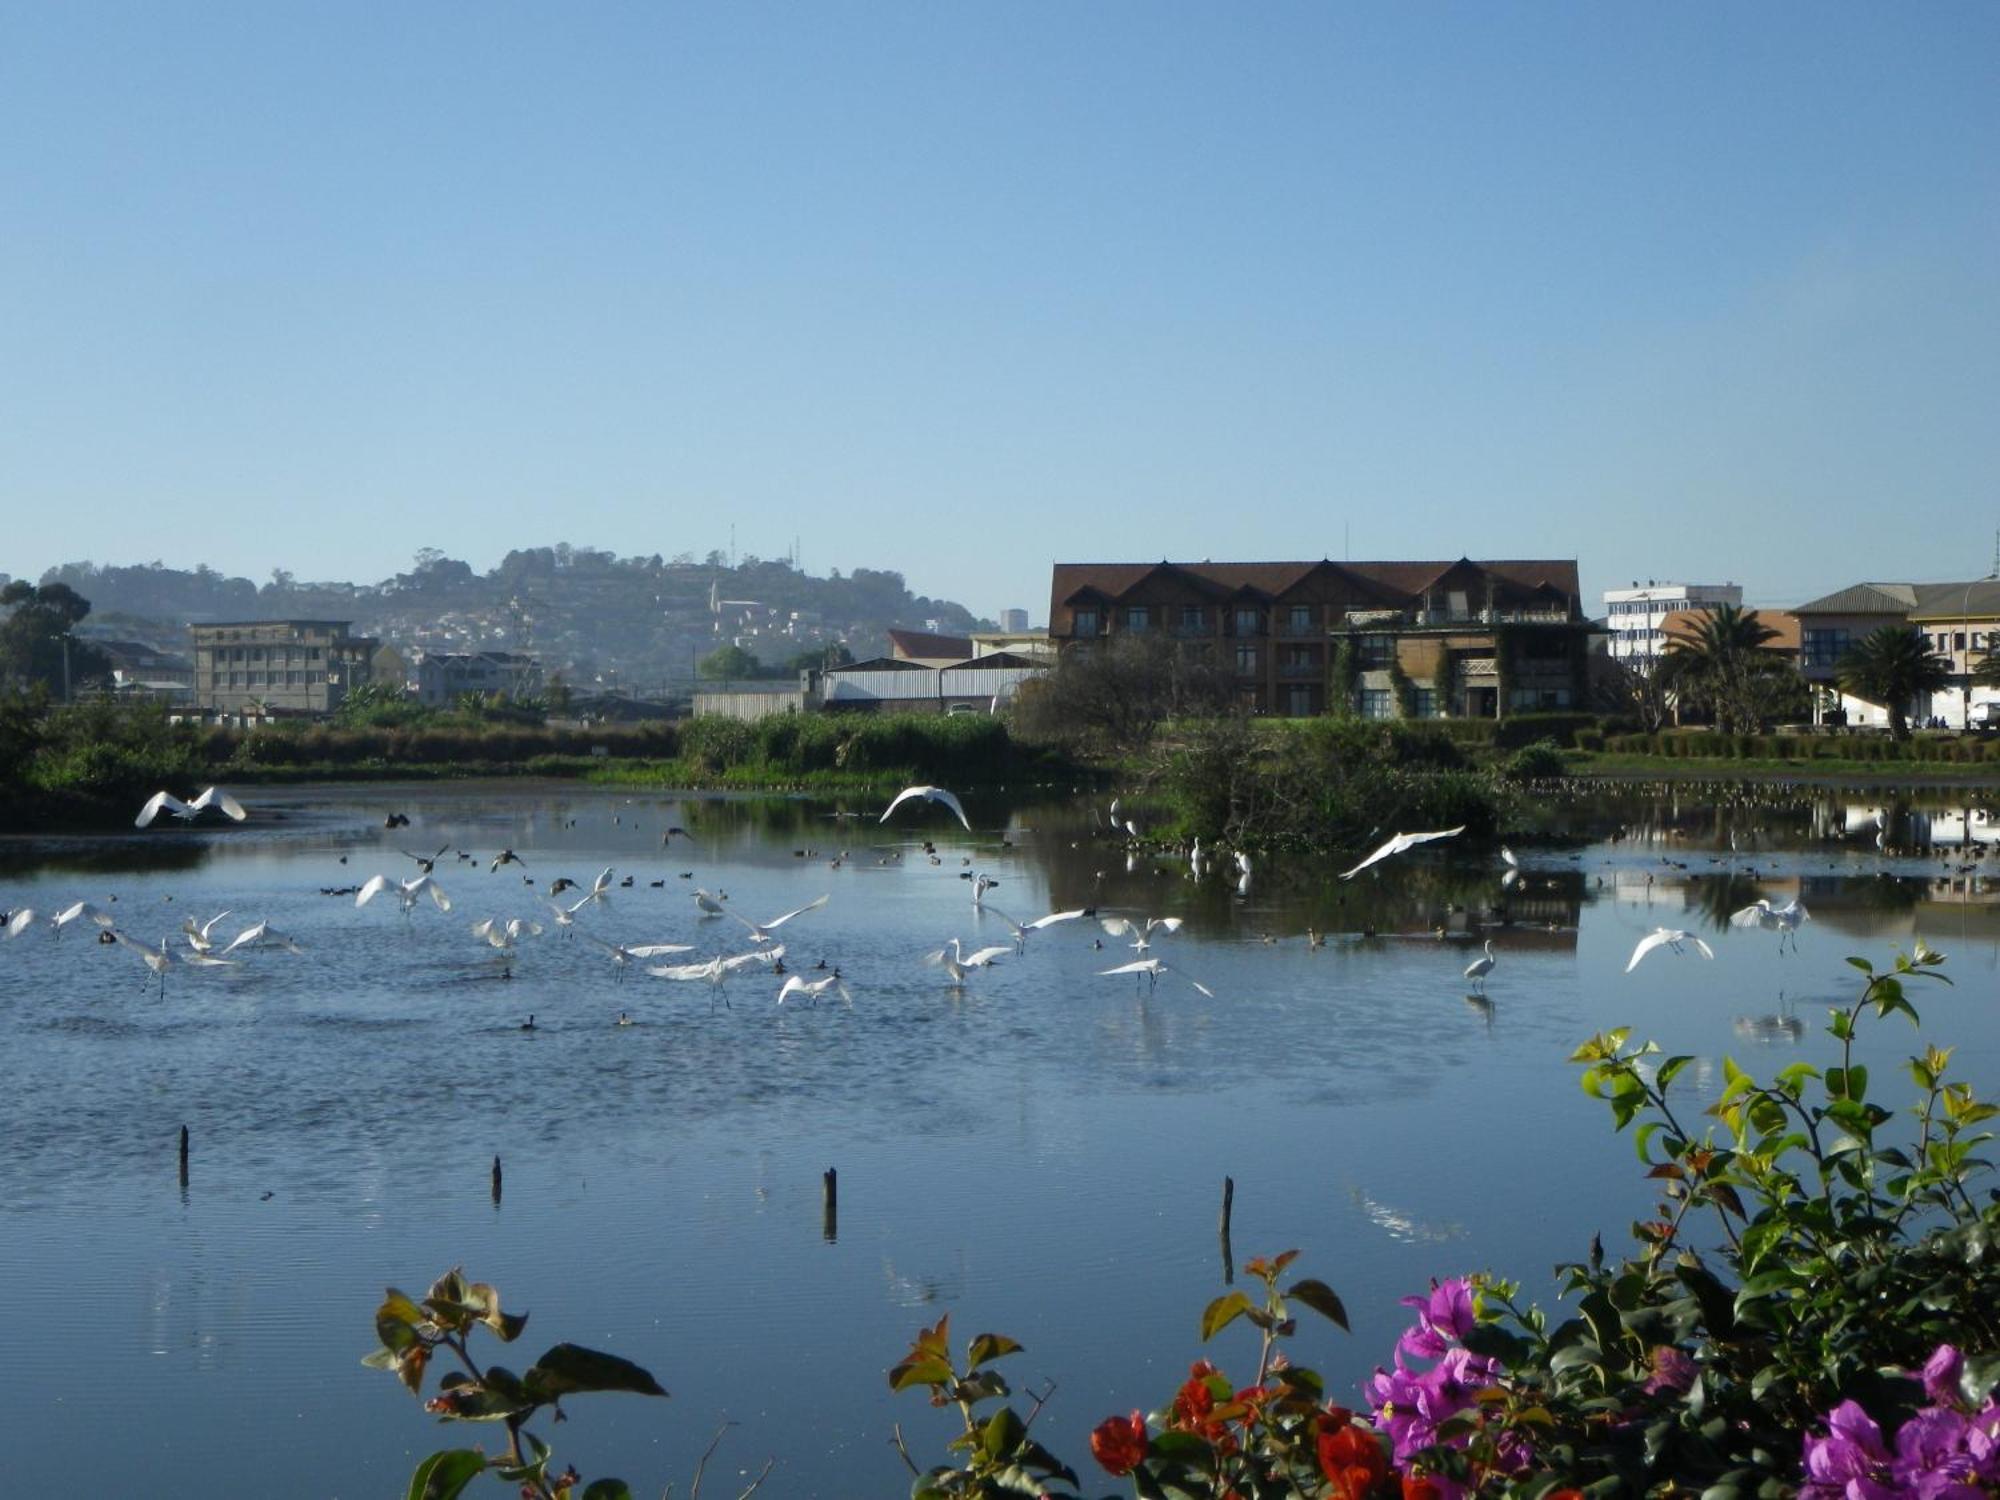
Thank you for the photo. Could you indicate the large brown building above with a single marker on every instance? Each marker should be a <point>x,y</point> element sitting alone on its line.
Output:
<point>278,666</point>
<point>1422,639</point>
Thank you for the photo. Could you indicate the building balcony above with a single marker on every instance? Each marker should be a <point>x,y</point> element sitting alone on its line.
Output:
<point>1301,671</point>
<point>1194,632</point>
<point>1311,630</point>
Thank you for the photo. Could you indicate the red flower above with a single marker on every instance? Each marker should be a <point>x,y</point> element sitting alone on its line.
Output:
<point>1351,1458</point>
<point>1417,1487</point>
<point>1118,1443</point>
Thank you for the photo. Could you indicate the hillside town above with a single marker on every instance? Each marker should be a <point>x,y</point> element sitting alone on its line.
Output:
<point>583,632</point>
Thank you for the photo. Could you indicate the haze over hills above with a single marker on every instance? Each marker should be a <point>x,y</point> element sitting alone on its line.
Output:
<point>631,622</point>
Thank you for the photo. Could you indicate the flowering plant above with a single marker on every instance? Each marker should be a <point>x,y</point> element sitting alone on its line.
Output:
<point>1847,1285</point>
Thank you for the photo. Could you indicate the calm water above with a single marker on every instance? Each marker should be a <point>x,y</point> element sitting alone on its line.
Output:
<point>1041,1154</point>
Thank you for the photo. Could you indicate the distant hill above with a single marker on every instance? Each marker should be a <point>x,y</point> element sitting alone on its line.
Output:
<point>636,622</point>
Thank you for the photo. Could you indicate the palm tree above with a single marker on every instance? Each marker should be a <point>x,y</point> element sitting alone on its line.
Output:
<point>1891,667</point>
<point>1721,664</point>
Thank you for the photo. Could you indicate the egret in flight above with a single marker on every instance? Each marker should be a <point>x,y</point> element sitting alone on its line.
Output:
<point>622,956</point>
<point>814,988</point>
<point>1022,929</point>
<point>1152,969</point>
<point>1398,844</point>
<point>929,794</point>
<point>156,959</point>
<point>1141,936</point>
<point>198,932</point>
<point>1667,937</point>
<point>760,932</point>
<point>1783,920</point>
<point>214,797</point>
<point>957,963</point>
<point>407,891</point>
<point>262,935</point>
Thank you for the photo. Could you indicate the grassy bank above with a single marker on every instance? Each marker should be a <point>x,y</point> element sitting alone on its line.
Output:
<point>92,765</point>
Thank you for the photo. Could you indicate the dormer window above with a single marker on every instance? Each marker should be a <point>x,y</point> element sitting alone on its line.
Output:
<point>1085,622</point>
<point>1137,618</point>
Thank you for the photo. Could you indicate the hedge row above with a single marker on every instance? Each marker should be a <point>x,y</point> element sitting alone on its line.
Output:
<point>1707,745</point>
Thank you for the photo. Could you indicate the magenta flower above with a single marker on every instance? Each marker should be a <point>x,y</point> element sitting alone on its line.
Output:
<point>1672,1371</point>
<point>1941,1372</point>
<point>1443,1318</point>
<point>1850,1462</point>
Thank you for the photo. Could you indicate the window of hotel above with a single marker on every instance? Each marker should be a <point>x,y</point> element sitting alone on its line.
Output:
<point>1137,617</point>
<point>1249,621</point>
<point>1299,702</point>
<point>1377,703</point>
<point>1299,618</point>
<point>1377,650</point>
<point>1456,601</point>
<point>1085,622</point>
<point>1825,647</point>
<point>1424,702</point>
<point>1300,658</point>
<point>1246,659</point>
<point>1191,622</point>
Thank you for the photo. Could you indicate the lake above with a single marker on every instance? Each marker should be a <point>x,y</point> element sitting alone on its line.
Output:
<point>1039,1154</point>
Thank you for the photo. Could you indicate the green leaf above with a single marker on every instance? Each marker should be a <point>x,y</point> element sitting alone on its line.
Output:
<point>381,1359</point>
<point>989,1346</point>
<point>1223,1311</point>
<point>1670,1070</point>
<point>1002,1434</point>
<point>1321,1299</point>
<point>927,1370</point>
<point>567,1368</point>
<point>607,1489</point>
<point>444,1476</point>
<point>1862,964</point>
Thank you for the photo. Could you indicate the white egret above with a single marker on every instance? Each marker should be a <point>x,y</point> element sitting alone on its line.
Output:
<point>506,934</point>
<point>981,884</point>
<point>1153,968</point>
<point>957,963</point>
<point>718,969</point>
<point>709,905</point>
<point>77,912</point>
<point>1507,857</point>
<point>1783,920</point>
<point>928,794</point>
<point>760,932</point>
<point>214,797</point>
<point>198,932</point>
<point>1141,936</point>
<point>1022,929</point>
<point>407,891</point>
<point>814,988</point>
<point>262,935</point>
<point>622,956</point>
<point>600,889</point>
<point>156,959</point>
<point>1398,844</point>
<point>1479,968</point>
<point>1669,937</point>
<point>19,922</point>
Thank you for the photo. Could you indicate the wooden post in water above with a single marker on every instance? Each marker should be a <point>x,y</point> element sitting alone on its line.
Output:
<point>184,1156</point>
<point>496,1182</point>
<point>1222,1230</point>
<point>829,1218</point>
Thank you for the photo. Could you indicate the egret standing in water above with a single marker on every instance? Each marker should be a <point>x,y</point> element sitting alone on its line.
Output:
<point>1479,968</point>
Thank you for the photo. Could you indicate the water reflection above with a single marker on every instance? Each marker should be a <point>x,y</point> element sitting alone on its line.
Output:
<point>1010,1151</point>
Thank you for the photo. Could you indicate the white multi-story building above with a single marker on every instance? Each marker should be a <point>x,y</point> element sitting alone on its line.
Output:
<point>1636,617</point>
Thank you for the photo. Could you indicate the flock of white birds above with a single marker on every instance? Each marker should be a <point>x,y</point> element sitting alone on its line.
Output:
<point>205,947</point>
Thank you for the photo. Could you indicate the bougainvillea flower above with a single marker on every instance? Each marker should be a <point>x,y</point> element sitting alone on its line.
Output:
<point>1443,1318</point>
<point>1941,1372</point>
<point>1672,1371</point>
<point>1119,1443</point>
<point>1850,1462</point>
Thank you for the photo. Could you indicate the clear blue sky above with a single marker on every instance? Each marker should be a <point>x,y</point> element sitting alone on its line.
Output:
<point>1690,291</point>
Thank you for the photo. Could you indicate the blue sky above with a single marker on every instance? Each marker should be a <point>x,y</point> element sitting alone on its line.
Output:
<point>1700,292</point>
